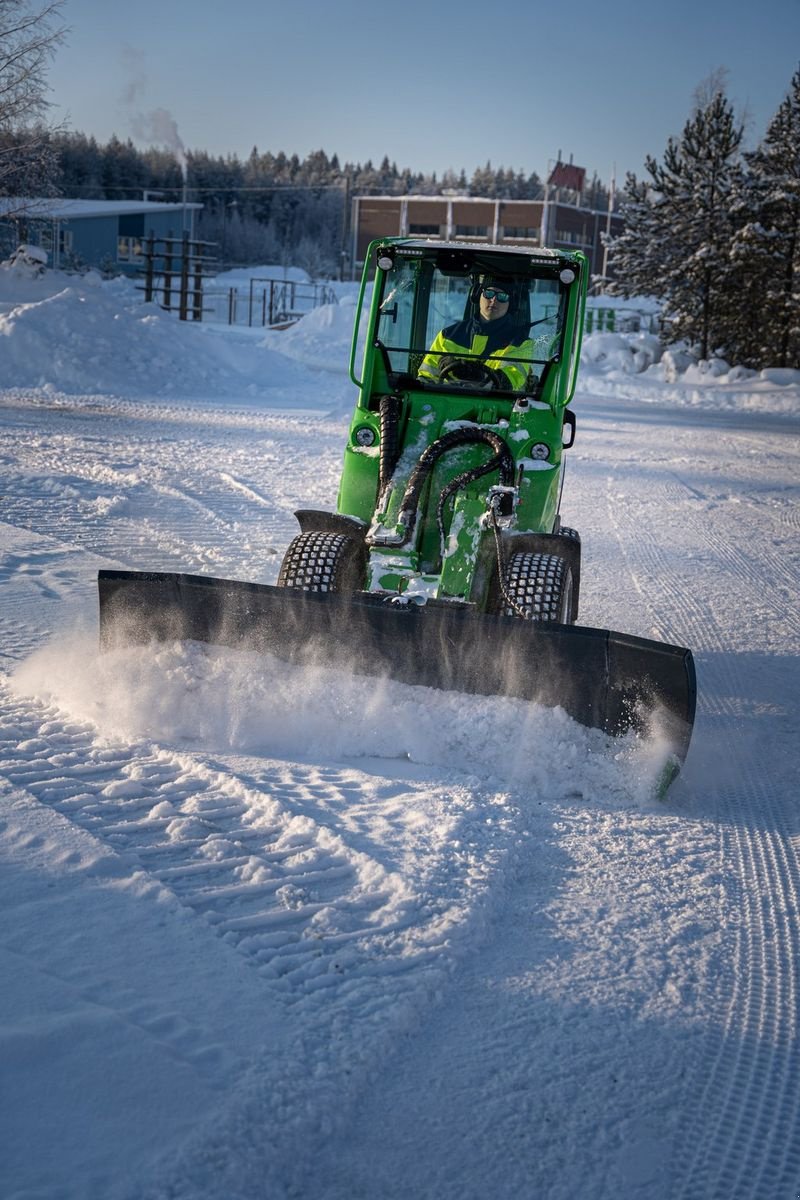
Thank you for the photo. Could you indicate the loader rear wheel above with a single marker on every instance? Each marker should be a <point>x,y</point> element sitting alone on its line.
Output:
<point>323,562</point>
<point>537,587</point>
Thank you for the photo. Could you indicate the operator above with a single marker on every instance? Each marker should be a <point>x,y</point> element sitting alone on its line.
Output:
<point>491,333</point>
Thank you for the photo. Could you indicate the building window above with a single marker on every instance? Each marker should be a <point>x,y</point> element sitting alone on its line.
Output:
<point>64,240</point>
<point>570,237</point>
<point>472,231</point>
<point>519,231</point>
<point>129,249</point>
<point>426,229</point>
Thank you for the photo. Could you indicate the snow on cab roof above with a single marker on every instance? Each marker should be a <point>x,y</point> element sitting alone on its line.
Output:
<point>506,248</point>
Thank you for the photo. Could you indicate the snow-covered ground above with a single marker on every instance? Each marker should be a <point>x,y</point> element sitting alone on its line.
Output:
<point>270,933</point>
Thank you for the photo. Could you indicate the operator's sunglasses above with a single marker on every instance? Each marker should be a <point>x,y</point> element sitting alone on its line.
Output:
<point>495,294</point>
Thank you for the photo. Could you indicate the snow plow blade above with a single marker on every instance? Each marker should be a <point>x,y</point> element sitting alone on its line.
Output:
<point>605,680</point>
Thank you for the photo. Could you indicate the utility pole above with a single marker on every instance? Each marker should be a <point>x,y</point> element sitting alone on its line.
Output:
<point>544,234</point>
<point>611,195</point>
<point>345,226</point>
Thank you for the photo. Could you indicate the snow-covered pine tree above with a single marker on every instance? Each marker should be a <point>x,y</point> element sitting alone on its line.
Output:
<point>766,245</point>
<point>483,181</point>
<point>638,255</point>
<point>679,226</point>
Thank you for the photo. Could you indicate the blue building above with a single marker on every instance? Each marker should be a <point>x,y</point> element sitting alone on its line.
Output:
<point>107,234</point>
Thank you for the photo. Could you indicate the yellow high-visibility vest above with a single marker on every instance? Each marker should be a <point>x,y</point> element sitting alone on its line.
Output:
<point>515,372</point>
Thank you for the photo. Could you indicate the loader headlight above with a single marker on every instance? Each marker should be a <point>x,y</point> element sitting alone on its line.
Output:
<point>540,450</point>
<point>365,436</point>
<point>567,275</point>
<point>385,261</point>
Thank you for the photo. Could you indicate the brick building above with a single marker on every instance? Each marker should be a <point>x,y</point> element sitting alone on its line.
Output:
<point>548,221</point>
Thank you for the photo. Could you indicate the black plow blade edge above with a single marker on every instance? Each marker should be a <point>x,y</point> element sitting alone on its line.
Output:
<point>605,680</point>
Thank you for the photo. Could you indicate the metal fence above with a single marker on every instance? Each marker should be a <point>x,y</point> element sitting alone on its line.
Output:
<point>620,320</point>
<point>265,302</point>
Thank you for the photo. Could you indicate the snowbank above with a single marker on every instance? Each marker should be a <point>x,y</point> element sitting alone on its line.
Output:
<point>323,338</point>
<point>621,353</point>
<point>81,335</point>
<point>237,276</point>
<point>85,336</point>
<point>638,366</point>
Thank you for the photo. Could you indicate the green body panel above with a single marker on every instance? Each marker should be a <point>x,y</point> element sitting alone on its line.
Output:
<point>458,565</point>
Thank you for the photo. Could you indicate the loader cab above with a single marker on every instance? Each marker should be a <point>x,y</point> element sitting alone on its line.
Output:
<point>425,313</point>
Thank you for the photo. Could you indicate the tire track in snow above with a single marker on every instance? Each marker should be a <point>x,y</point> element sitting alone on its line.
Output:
<point>16,633</point>
<point>154,521</point>
<point>146,501</point>
<point>351,896</point>
<point>257,875</point>
<point>748,567</point>
<point>747,1107</point>
<point>40,579</point>
<point>307,906</point>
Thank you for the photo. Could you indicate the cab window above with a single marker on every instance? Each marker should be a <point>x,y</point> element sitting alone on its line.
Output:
<point>419,300</point>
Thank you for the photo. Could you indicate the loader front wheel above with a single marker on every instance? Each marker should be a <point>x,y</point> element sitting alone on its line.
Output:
<point>323,562</point>
<point>537,587</point>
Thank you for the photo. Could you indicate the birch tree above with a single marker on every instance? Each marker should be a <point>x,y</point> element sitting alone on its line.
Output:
<point>29,36</point>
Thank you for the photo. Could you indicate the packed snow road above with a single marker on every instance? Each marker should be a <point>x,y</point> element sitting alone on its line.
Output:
<point>269,933</point>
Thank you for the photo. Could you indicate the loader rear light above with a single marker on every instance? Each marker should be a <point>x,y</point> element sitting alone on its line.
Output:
<point>540,451</point>
<point>365,436</point>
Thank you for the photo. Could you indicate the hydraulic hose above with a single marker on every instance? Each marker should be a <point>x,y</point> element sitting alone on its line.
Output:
<point>501,460</point>
<point>390,437</point>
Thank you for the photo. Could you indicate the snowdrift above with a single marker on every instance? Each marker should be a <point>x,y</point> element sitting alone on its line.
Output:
<point>85,336</point>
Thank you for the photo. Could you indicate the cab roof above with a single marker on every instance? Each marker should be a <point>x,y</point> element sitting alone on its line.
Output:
<point>540,254</point>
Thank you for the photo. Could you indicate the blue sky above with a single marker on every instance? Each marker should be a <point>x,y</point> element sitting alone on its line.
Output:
<point>432,86</point>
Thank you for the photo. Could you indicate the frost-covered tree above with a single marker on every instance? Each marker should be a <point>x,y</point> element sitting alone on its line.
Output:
<point>484,181</point>
<point>123,171</point>
<point>766,246</point>
<point>80,165</point>
<point>637,255</point>
<point>699,178</point>
<point>29,35</point>
<point>679,226</point>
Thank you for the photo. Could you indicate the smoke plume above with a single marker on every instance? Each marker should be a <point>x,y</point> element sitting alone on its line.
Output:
<point>157,127</point>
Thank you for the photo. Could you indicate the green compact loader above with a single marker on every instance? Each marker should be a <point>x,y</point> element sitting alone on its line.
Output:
<point>446,563</point>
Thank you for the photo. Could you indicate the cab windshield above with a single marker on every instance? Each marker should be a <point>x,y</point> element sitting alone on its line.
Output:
<point>473,326</point>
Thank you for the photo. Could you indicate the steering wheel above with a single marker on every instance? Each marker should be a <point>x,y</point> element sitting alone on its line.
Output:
<point>470,372</point>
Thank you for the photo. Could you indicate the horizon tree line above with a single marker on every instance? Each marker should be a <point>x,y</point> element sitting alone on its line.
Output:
<point>268,207</point>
